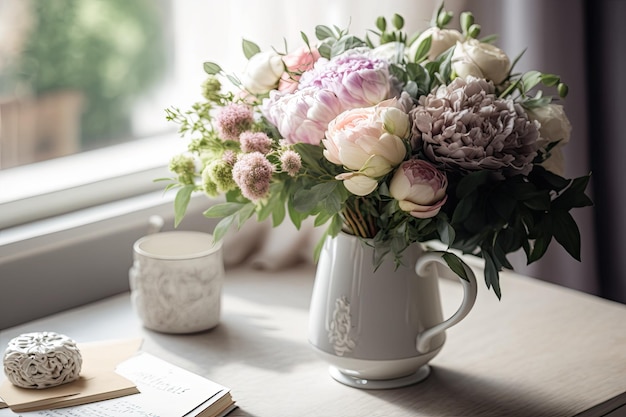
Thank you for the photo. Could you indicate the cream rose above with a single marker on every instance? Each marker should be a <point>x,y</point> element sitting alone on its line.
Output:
<point>555,127</point>
<point>390,51</point>
<point>262,72</point>
<point>441,41</point>
<point>481,60</point>
<point>369,142</point>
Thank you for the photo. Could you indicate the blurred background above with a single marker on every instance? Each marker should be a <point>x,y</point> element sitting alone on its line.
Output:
<point>82,75</point>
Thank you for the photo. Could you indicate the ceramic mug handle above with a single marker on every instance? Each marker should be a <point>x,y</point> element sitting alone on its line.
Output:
<point>469,297</point>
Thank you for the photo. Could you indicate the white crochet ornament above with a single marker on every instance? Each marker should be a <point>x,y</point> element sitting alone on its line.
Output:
<point>42,360</point>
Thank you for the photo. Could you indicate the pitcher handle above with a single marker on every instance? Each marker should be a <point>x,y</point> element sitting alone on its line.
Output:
<point>470,290</point>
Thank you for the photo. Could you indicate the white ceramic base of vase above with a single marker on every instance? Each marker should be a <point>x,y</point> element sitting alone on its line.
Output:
<point>356,382</point>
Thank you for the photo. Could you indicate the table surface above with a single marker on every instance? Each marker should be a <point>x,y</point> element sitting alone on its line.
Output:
<point>542,350</point>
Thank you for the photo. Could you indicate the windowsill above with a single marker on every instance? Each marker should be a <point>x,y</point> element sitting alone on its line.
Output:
<point>64,185</point>
<point>66,239</point>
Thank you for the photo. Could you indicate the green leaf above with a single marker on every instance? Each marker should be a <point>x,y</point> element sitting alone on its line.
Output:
<point>543,239</point>
<point>212,68</point>
<point>398,21</point>
<point>278,214</point>
<point>574,195</point>
<point>456,265</point>
<point>422,49</point>
<point>530,79</point>
<point>223,209</point>
<point>492,276</point>
<point>249,48</point>
<point>445,231</point>
<point>222,228</point>
<point>381,23</point>
<point>471,182</point>
<point>181,201</point>
<point>323,32</point>
<point>305,38</point>
<point>550,80</point>
<point>566,232</point>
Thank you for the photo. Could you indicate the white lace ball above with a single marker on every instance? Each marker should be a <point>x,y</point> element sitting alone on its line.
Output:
<point>42,360</point>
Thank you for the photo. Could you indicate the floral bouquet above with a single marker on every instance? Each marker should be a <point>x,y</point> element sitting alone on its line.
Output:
<point>391,138</point>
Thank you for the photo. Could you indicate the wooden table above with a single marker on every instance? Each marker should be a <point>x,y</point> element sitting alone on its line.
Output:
<point>541,351</point>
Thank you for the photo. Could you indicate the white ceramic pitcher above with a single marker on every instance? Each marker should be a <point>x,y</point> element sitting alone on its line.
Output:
<point>379,328</point>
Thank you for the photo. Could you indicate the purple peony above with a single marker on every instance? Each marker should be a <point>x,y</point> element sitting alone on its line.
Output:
<point>356,79</point>
<point>466,126</point>
<point>303,116</point>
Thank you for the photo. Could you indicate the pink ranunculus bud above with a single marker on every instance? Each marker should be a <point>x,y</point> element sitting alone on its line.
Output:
<point>296,63</point>
<point>419,187</point>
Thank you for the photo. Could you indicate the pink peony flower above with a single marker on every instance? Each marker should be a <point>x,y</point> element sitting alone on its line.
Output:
<point>255,142</point>
<point>302,116</point>
<point>419,188</point>
<point>234,119</point>
<point>296,63</point>
<point>252,173</point>
<point>356,79</point>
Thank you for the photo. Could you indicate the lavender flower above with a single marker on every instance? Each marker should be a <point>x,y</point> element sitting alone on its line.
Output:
<point>466,126</point>
<point>356,79</point>
<point>234,119</point>
<point>252,173</point>
<point>302,116</point>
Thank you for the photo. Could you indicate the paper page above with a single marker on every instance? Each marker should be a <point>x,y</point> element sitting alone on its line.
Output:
<point>166,391</point>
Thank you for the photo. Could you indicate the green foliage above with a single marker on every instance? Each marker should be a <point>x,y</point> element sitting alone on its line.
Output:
<point>112,51</point>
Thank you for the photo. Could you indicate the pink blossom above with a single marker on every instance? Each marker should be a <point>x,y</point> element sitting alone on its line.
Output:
<point>255,142</point>
<point>252,173</point>
<point>230,157</point>
<point>290,162</point>
<point>234,119</point>
<point>296,63</point>
<point>302,116</point>
<point>419,188</point>
<point>357,80</point>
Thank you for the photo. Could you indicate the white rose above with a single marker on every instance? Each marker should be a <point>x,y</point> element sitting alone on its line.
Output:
<point>441,41</point>
<point>555,127</point>
<point>390,51</point>
<point>262,72</point>
<point>480,59</point>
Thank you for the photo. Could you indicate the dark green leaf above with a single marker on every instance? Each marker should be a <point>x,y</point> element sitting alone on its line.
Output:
<point>445,231</point>
<point>471,182</point>
<point>492,276</point>
<point>566,232</point>
<point>456,265</point>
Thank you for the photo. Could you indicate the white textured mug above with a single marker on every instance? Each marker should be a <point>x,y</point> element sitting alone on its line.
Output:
<point>176,281</point>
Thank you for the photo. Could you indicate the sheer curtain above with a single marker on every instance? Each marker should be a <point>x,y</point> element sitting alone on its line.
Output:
<point>555,33</point>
